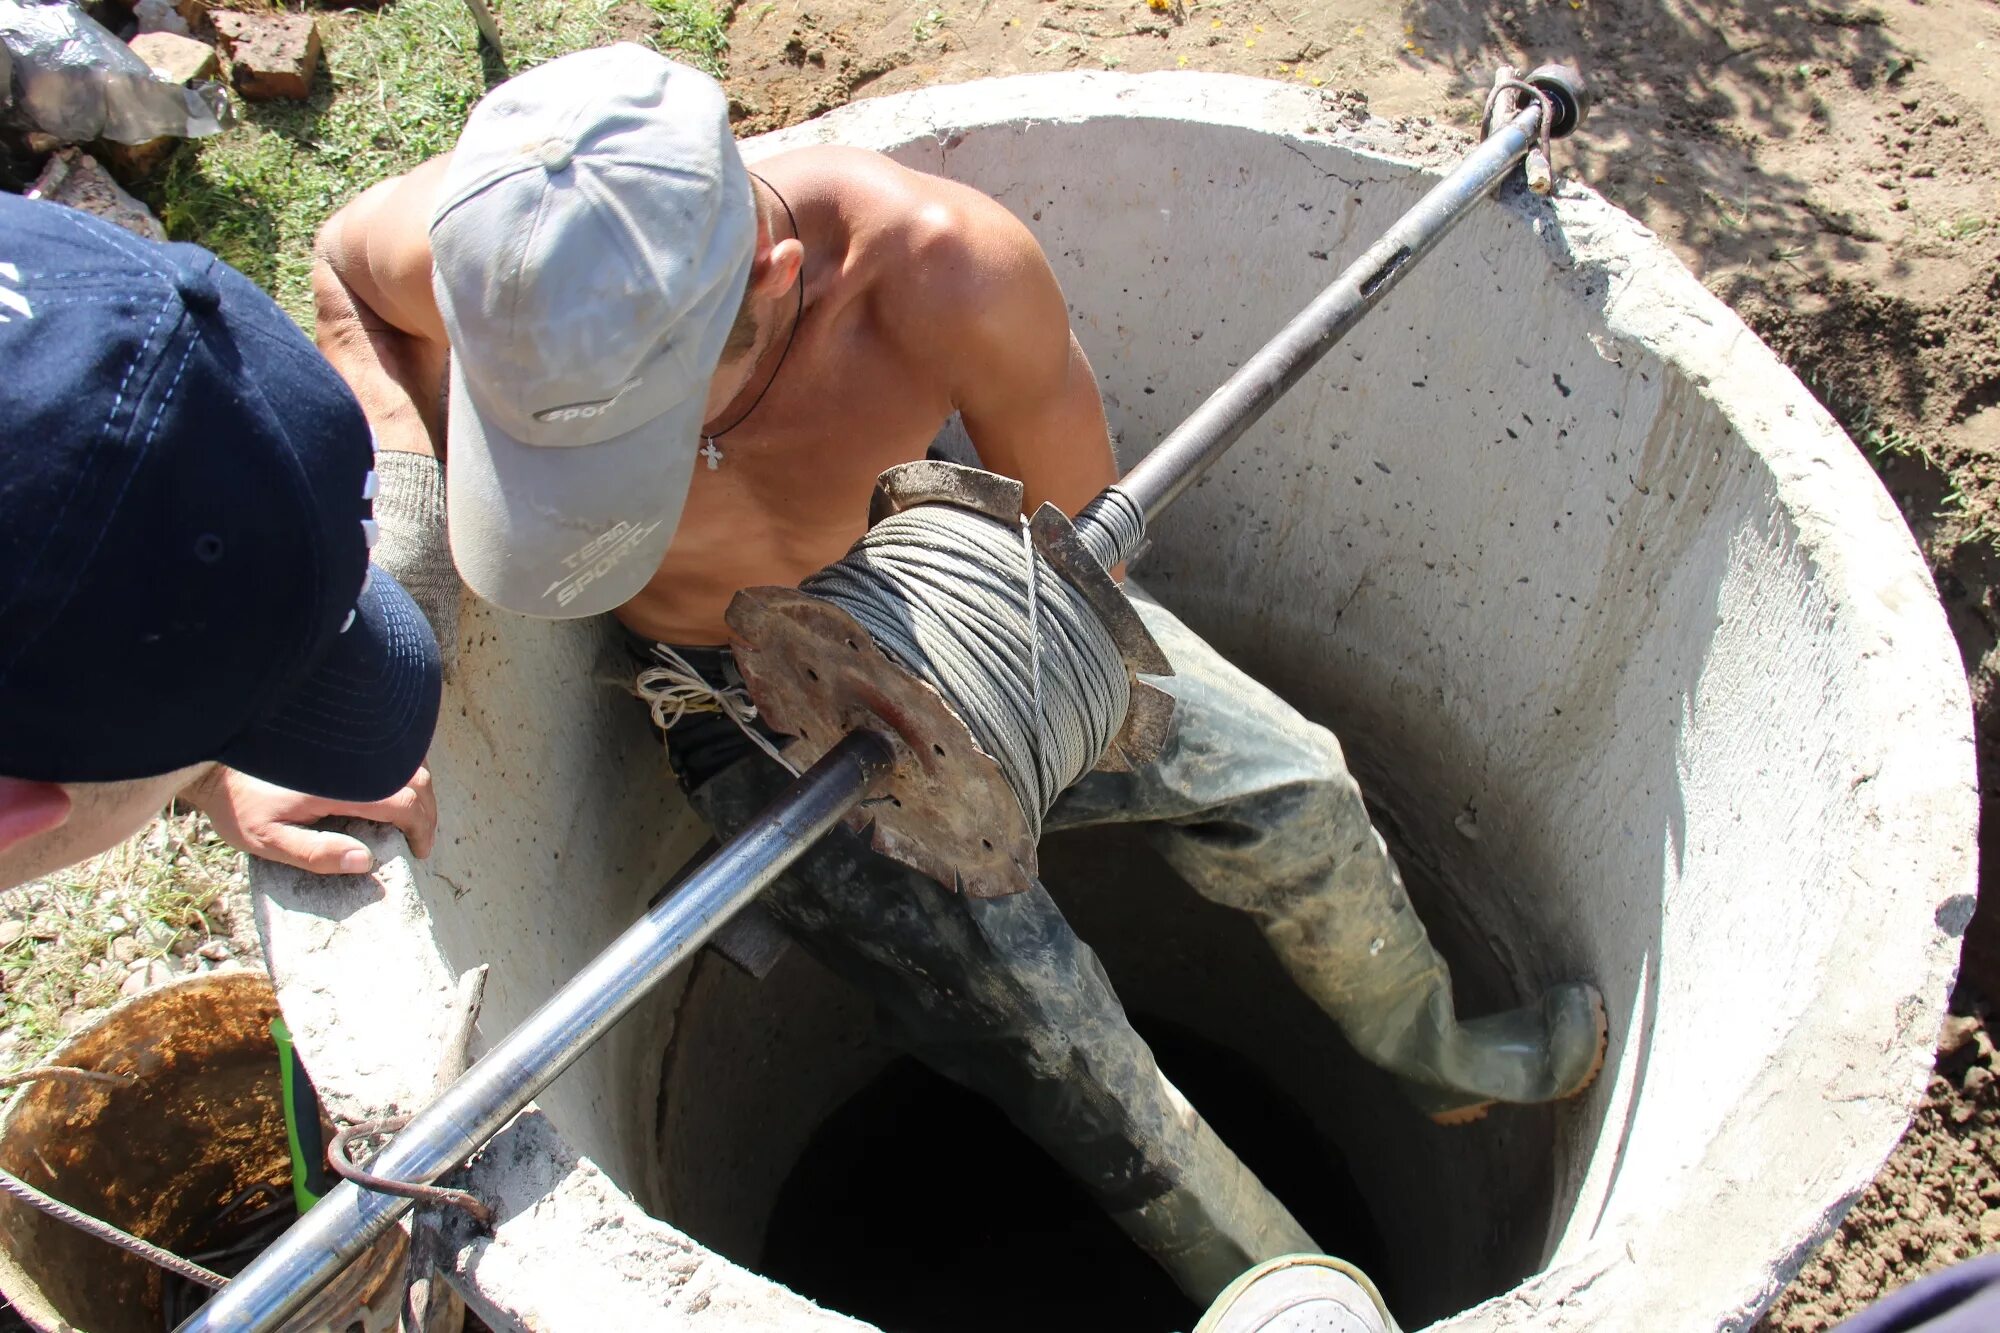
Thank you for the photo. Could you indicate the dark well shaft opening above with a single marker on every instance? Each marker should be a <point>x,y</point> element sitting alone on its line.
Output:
<point>915,1194</point>
<point>795,1142</point>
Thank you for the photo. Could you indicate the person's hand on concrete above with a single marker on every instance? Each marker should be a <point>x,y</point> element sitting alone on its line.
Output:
<point>270,821</point>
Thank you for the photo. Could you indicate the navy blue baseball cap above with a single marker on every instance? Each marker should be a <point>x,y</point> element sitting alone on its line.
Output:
<point>185,519</point>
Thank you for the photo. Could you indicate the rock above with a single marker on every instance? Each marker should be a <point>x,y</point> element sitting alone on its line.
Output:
<point>194,13</point>
<point>155,973</point>
<point>159,16</point>
<point>217,950</point>
<point>75,178</point>
<point>1958,1029</point>
<point>272,56</point>
<point>1976,1078</point>
<point>124,949</point>
<point>12,931</point>
<point>156,935</point>
<point>175,58</point>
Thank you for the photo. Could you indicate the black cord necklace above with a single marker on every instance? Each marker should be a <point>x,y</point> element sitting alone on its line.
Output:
<point>709,450</point>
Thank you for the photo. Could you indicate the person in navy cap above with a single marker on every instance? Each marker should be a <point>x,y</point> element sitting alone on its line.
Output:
<point>186,602</point>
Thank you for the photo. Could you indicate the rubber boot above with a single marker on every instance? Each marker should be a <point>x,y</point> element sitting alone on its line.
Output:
<point>1299,1293</point>
<point>1366,958</point>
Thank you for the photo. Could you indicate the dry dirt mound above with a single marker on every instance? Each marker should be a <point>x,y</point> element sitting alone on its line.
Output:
<point>1937,1200</point>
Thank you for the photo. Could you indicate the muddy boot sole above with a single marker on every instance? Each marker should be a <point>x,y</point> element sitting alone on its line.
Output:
<point>1436,1102</point>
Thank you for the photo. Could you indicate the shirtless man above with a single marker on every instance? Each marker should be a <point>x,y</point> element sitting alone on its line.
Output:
<point>670,380</point>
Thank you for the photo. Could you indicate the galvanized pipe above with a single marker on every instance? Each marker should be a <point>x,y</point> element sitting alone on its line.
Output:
<point>1158,479</point>
<point>342,1225</point>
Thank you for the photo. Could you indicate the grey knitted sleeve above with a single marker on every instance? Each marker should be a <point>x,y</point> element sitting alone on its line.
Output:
<point>415,546</point>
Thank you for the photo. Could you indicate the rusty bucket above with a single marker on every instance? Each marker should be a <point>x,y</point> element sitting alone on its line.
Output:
<point>200,1121</point>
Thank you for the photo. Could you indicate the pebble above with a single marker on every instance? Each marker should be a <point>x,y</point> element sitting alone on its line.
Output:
<point>12,931</point>
<point>155,973</point>
<point>1957,1030</point>
<point>1989,1223</point>
<point>1976,1077</point>
<point>217,950</point>
<point>155,935</point>
<point>124,949</point>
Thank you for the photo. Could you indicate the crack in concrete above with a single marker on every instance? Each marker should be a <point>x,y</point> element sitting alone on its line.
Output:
<point>1306,157</point>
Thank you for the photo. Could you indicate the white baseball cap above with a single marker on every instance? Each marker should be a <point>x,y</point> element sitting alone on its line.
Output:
<point>591,246</point>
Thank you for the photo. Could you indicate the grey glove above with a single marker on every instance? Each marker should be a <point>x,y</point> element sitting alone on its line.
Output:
<point>415,546</point>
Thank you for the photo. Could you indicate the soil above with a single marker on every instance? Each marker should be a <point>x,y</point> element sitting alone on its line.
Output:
<point>1829,167</point>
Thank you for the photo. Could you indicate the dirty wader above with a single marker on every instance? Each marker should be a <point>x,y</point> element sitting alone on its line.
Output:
<point>1254,807</point>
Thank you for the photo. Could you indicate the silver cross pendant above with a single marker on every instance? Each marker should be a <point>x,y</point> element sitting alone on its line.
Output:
<point>712,454</point>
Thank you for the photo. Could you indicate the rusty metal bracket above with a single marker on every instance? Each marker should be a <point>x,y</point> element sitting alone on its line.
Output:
<point>932,481</point>
<point>945,809</point>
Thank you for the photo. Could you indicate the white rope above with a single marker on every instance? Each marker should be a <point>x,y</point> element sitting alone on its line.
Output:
<point>1028,666</point>
<point>673,689</point>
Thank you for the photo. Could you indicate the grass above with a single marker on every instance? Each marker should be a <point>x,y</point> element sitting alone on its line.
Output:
<point>397,86</point>
<point>1959,228</point>
<point>155,888</point>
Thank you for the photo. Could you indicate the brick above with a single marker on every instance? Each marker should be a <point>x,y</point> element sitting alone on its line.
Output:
<point>176,59</point>
<point>272,56</point>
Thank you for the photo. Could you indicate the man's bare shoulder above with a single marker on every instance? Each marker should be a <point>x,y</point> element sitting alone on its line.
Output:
<point>378,245</point>
<point>933,255</point>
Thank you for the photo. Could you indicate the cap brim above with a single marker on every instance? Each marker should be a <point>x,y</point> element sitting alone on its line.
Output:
<point>358,727</point>
<point>562,531</point>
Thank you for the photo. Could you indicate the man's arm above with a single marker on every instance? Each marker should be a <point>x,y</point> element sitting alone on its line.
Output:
<point>376,319</point>
<point>378,324</point>
<point>1021,383</point>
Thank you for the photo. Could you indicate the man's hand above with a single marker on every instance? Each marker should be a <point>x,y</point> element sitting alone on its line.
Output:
<point>266,821</point>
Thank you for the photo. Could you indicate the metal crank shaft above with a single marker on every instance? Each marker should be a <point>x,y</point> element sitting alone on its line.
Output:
<point>342,1225</point>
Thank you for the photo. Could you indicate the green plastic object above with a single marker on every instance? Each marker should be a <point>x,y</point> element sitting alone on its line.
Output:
<point>302,1124</point>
